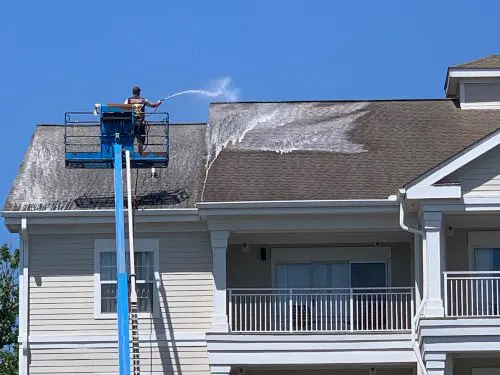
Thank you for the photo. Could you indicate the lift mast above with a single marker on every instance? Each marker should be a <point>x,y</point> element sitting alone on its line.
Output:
<point>115,136</point>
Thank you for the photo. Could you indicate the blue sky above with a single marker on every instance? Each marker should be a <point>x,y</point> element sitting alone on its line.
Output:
<point>58,56</point>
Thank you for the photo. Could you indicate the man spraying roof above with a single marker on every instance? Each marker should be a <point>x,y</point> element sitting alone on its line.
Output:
<point>139,105</point>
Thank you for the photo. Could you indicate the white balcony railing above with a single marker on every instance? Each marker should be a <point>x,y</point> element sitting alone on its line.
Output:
<point>320,310</point>
<point>472,293</point>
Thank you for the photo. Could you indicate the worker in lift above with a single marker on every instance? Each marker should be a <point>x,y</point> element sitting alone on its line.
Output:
<point>139,105</point>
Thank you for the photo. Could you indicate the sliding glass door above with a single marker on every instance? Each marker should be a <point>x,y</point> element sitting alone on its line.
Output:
<point>321,292</point>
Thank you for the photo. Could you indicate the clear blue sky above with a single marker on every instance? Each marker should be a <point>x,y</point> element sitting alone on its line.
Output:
<point>58,56</point>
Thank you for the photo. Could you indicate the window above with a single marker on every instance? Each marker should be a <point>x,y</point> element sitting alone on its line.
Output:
<point>331,275</point>
<point>146,269</point>
<point>486,259</point>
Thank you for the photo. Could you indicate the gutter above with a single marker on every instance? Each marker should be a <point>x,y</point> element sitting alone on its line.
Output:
<point>99,213</point>
<point>299,203</point>
<point>401,197</point>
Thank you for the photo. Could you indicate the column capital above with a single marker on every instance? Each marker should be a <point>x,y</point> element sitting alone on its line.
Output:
<point>219,238</point>
<point>220,370</point>
<point>432,220</point>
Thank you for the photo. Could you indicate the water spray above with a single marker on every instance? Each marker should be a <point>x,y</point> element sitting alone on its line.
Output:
<point>222,89</point>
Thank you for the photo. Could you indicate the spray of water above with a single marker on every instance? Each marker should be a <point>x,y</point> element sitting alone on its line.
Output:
<point>222,89</point>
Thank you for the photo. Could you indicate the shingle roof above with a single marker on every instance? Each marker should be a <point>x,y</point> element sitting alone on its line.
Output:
<point>341,150</point>
<point>43,182</point>
<point>488,62</point>
<point>269,151</point>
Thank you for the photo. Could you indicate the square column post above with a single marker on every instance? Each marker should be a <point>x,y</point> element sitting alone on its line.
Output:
<point>434,263</point>
<point>219,249</point>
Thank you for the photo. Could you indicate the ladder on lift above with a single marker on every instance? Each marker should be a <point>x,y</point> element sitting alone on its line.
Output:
<point>113,136</point>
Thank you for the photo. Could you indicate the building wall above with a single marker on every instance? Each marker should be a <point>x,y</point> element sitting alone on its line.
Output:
<point>464,366</point>
<point>155,360</point>
<point>457,251</point>
<point>61,302</point>
<point>247,270</point>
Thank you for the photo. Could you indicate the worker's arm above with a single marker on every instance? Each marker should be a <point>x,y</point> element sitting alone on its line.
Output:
<point>157,104</point>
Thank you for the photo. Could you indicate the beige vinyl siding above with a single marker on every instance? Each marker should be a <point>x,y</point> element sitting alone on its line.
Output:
<point>91,361</point>
<point>481,177</point>
<point>62,285</point>
<point>247,270</point>
<point>482,92</point>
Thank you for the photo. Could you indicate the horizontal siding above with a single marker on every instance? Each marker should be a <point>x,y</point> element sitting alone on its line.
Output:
<point>482,92</point>
<point>481,177</point>
<point>62,285</point>
<point>154,360</point>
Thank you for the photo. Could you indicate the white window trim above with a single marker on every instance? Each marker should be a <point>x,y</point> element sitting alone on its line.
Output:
<point>108,245</point>
<point>486,239</point>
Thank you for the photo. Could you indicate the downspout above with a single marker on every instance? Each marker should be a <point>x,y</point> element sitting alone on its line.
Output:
<point>416,318</point>
<point>23,299</point>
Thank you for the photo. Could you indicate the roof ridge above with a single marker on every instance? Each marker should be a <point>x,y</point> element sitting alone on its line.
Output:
<point>338,101</point>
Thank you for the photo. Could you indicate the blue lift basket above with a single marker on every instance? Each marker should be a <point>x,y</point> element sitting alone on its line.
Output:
<point>89,143</point>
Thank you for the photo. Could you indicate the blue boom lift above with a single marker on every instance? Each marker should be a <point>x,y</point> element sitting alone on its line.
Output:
<point>102,144</point>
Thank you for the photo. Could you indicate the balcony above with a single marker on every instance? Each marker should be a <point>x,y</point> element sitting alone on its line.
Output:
<point>320,310</point>
<point>472,294</point>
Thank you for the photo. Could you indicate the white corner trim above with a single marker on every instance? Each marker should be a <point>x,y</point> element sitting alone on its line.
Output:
<point>141,245</point>
<point>457,162</point>
<point>434,192</point>
<point>24,299</point>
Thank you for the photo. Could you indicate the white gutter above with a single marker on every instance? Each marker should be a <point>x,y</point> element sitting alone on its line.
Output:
<point>99,213</point>
<point>416,318</point>
<point>23,299</point>
<point>299,203</point>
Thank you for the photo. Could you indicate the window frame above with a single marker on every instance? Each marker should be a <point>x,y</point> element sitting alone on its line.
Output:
<point>141,245</point>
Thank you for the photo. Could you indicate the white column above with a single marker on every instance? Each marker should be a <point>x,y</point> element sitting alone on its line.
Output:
<point>417,262</point>
<point>219,249</point>
<point>220,370</point>
<point>434,263</point>
<point>438,364</point>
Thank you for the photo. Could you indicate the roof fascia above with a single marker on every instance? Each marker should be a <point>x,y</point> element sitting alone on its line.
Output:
<point>13,218</point>
<point>311,207</point>
<point>454,74</point>
<point>425,183</point>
